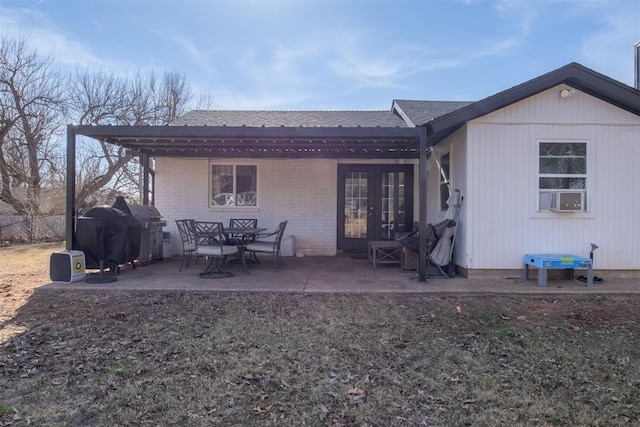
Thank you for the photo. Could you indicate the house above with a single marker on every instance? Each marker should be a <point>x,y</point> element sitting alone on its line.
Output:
<point>546,166</point>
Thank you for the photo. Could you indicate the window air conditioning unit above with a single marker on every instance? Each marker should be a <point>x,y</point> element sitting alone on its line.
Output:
<point>567,201</point>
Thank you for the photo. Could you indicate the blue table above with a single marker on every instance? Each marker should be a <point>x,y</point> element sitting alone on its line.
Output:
<point>546,262</point>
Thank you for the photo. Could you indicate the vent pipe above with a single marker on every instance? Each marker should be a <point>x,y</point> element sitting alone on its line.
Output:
<point>637,64</point>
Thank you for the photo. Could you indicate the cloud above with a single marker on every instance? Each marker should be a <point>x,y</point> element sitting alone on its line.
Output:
<point>522,14</point>
<point>610,45</point>
<point>293,71</point>
<point>494,48</point>
<point>280,63</point>
<point>376,63</point>
<point>368,66</point>
<point>202,59</point>
<point>267,99</point>
<point>374,58</point>
<point>277,72</point>
<point>45,37</point>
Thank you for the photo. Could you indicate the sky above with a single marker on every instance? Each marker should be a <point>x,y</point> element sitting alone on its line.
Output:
<point>330,54</point>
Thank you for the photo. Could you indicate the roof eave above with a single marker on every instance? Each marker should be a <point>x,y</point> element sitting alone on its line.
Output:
<point>574,75</point>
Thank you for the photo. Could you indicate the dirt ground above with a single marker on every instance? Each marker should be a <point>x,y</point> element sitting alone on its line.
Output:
<point>181,358</point>
<point>22,269</point>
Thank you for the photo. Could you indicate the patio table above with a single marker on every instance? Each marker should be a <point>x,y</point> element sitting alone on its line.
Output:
<point>385,251</point>
<point>244,235</point>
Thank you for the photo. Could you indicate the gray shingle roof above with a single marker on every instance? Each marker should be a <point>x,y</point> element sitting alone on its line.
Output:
<point>442,117</point>
<point>289,118</point>
<point>421,112</point>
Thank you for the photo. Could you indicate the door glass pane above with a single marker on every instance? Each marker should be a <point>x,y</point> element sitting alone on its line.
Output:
<point>392,203</point>
<point>355,205</point>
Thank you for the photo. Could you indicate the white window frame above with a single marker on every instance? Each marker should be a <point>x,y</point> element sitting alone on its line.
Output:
<point>232,197</point>
<point>585,176</point>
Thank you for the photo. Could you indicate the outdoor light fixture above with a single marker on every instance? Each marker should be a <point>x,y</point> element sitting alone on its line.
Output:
<point>565,93</point>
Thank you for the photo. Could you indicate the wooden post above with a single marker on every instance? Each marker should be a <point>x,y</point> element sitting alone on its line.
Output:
<point>144,166</point>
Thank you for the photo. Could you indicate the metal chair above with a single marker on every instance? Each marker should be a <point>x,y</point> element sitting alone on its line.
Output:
<point>216,250</point>
<point>269,246</point>
<point>186,228</point>
<point>240,223</point>
<point>204,230</point>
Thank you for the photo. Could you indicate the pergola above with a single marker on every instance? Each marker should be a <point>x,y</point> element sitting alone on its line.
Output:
<point>260,143</point>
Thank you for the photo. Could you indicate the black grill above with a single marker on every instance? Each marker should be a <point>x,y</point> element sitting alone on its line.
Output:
<point>108,235</point>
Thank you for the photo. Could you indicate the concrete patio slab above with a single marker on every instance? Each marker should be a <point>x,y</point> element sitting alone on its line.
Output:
<point>339,274</point>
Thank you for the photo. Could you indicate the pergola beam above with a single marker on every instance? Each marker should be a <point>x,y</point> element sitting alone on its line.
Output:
<point>113,133</point>
<point>282,154</point>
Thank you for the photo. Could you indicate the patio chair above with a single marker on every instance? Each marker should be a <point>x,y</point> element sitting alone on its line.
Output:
<point>440,238</point>
<point>204,230</point>
<point>268,243</point>
<point>216,250</point>
<point>240,223</point>
<point>411,241</point>
<point>186,228</point>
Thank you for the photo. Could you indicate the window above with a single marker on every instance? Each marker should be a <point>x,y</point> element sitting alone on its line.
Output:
<point>445,188</point>
<point>234,185</point>
<point>562,169</point>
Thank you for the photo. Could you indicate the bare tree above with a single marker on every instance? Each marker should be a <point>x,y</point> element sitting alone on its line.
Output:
<point>32,105</point>
<point>35,100</point>
<point>173,97</point>
<point>97,97</point>
<point>100,97</point>
<point>156,102</point>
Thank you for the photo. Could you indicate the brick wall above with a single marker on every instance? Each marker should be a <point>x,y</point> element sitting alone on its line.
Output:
<point>302,191</point>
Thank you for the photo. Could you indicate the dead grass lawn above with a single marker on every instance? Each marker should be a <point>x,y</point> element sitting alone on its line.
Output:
<point>201,359</point>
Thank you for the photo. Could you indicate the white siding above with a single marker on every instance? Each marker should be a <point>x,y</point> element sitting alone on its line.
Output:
<point>501,221</point>
<point>459,181</point>
<point>302,191</point>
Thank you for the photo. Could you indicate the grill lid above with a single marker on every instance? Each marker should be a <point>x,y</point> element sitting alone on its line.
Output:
<point>145,213</point>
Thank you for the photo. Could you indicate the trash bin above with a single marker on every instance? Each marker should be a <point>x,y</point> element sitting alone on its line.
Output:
<point>287,246</point>
<point>166,245</point>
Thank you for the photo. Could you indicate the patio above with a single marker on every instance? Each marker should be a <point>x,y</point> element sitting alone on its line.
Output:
<point>343,274</point>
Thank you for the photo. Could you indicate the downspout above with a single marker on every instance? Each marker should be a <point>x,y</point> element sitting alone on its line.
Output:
<point>422,209</point>
<point>70,206</point>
